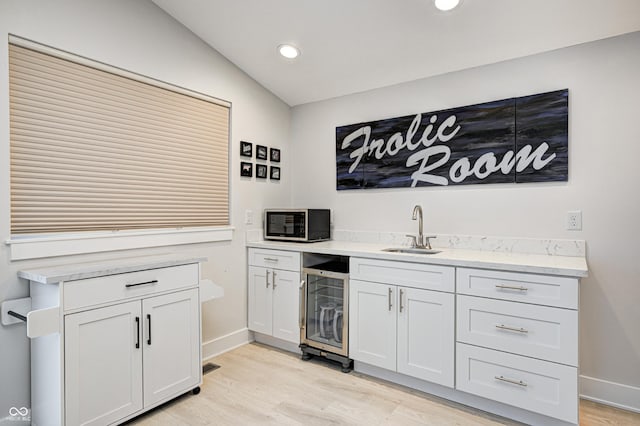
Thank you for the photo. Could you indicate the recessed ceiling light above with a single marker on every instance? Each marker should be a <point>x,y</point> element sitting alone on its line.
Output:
<point>445,5</point>
<point>289,51</point>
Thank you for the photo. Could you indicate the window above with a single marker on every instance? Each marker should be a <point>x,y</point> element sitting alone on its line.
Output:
<point>96,148</point>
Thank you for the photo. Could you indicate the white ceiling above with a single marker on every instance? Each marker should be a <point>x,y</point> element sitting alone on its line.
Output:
<point>350,46</point>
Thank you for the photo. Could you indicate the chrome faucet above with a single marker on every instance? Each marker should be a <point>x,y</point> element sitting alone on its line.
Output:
<point>420,241</point>
<point>417,214</point>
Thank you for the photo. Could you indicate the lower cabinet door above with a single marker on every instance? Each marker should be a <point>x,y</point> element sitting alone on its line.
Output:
<point>103,364</point>
<point>372,323</point>
<point>540,386</point>
<point>260,300</point>
<point>171,345</point>
<point>426,336</point>
<point>286,305</point>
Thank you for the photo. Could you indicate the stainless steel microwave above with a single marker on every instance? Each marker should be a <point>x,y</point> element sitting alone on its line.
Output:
<point>304,225</point>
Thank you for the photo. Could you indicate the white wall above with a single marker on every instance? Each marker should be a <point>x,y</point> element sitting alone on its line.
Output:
<point>140,37</point>
<point>604,153</point>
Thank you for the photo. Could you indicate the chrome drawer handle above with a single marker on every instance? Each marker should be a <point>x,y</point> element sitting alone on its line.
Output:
<point>513,382</point>
<point>401,307</point>
<point>144,283</point>
<point>271,259</point>
<point>504,327</point>
<point>511,287</point>
<point>390,294</point>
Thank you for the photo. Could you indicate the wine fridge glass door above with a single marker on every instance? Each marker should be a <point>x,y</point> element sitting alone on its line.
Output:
<point>325,311</point>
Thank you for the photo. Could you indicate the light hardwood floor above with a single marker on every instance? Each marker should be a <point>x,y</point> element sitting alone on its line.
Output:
<point>261,385</point>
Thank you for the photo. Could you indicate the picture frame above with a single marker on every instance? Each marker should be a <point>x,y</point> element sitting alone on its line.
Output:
<point>246,149</point>
<point>261,171</point>
<point>246,169</point>
<point>274,155</point>
<point>274,173</point>
<point>261,152</point>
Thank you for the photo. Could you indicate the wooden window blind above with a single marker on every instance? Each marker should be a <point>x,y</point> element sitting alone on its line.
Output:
<point>94,150</point>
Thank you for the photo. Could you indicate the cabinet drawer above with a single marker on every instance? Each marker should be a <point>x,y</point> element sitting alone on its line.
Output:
<point>277,259</point>
<point>416,275</point>
<point>95,291</point>
<point>539,386</point>
<point>530,330</point>
<point>528,288</point>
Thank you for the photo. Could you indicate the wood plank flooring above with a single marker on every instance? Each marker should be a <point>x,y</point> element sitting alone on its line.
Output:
<point>257,384</point>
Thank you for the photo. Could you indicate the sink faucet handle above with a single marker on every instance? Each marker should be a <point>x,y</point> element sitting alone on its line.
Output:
<point>414,241</point>
<point>427,243</point>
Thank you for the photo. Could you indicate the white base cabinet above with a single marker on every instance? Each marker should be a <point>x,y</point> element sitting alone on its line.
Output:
<point>103,366</point>
<point>518,340</point>
<point>274,294</point>
<point>405,329</point>
<point>131,343</point>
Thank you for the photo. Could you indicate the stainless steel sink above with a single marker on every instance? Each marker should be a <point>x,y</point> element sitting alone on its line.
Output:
<point>410,250</point>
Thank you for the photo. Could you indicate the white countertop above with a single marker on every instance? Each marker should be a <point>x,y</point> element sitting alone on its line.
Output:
<point>572,266</point>
<point>79,271</point>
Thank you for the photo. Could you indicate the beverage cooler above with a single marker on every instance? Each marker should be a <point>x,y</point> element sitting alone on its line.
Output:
<point>324,306</point>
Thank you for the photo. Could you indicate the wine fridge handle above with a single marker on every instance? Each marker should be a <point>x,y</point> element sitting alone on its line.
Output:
<point>303,308</point>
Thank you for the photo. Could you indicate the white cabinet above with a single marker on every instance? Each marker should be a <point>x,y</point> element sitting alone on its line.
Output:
<point>274,300</point>
<point>426,335</point>
<point>103,364</point>
<point>171,345</point>
<point>400,328</point>
<point>128,342</point>
<point>372,324</point>
<point>518,340</point>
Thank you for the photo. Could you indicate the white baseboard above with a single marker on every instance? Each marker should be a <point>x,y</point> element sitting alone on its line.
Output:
<point>610,393</point>
<point>277,343</point>
<point>223,344</point>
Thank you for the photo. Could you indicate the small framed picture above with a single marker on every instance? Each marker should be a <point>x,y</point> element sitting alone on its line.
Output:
<point>246,169</point>
<point>261,171</point>
<point>275,155</point>
<point>275,173</point>
<point>261,152</point>
<point>246,149</point>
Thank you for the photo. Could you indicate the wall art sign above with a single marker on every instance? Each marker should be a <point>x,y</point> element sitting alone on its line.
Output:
<point>517,140</point>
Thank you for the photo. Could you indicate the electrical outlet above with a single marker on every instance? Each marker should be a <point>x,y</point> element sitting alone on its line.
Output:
<point>574,220</point>
<point>248,217</point>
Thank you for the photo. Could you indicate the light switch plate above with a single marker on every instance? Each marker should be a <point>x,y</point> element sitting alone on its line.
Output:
<point>248,217</point>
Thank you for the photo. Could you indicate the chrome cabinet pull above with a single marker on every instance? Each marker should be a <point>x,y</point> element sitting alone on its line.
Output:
<point>390,292</point>
<point>511,287</point>
<point>504,327</point>
<point>401,300</point>
<point>273,280</point>
<point>301,309</point>
<point>144,283</point>
<point>138,332</point>
<point>271,259</point>
<point>266,279</point>
<point>513,382</point>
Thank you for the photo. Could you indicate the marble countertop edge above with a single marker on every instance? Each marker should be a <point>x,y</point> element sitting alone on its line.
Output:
<point>572,266</point>
<point>79,271</point>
